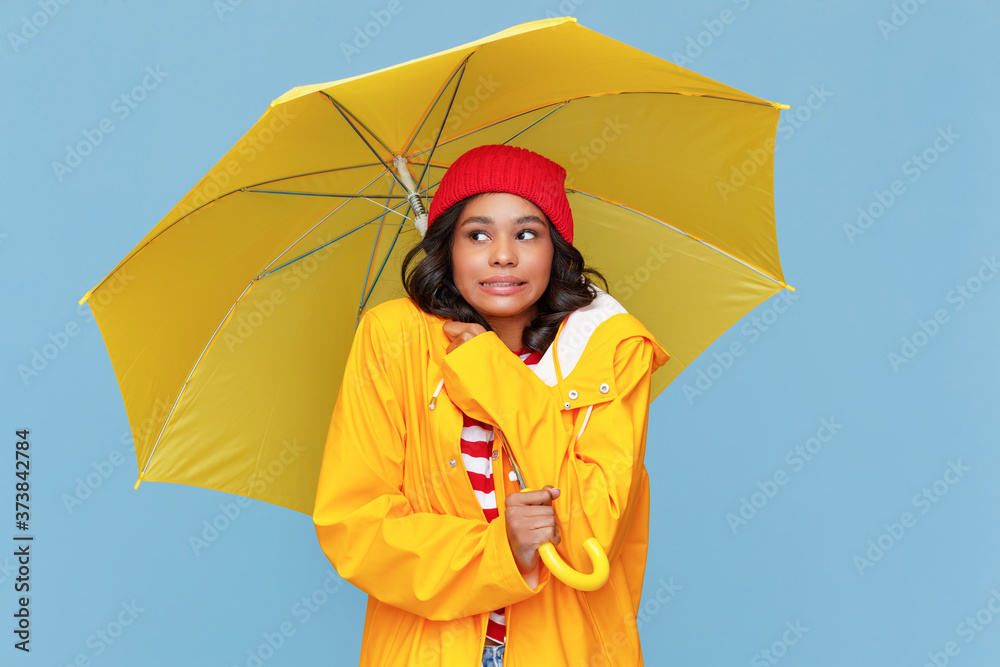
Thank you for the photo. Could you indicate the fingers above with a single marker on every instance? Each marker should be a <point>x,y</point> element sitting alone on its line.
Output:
<point>543,496</point>
<point>453,328</point>
<point>530,532</point>
<point>532,519</point>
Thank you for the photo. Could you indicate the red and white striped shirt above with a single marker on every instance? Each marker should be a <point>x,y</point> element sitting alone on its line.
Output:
<point>477,454</point>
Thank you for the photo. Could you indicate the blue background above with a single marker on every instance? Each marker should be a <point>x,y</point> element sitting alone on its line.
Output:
<point>732,589</point>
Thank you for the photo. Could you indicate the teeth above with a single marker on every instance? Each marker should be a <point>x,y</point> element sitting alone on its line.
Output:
<point>500,284</point>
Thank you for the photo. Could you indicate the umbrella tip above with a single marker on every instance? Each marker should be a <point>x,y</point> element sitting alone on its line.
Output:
<point>84,299</point>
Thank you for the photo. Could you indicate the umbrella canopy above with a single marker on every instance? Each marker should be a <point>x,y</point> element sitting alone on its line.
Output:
<point>231,333</point>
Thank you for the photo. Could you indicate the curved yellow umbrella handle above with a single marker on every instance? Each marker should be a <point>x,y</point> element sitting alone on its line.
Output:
<point>561,570</point>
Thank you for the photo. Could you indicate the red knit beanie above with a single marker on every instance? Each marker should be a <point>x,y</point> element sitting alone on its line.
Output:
<point>517,171</point>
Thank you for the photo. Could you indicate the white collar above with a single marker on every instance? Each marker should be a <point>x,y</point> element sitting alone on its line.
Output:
<point>575,334</point>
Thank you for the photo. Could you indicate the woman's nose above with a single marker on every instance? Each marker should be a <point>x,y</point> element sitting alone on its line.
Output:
<point>503,253</point>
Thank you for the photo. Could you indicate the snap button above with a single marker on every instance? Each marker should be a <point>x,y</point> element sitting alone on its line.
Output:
<point>496,454</point>
<point>452,462</point>
<point>573,394</point>
<point>567,405</point>
<point>604,388</point>
<point>512,476</point>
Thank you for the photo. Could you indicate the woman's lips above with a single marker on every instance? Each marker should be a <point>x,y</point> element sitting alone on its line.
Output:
<point>502,287</point>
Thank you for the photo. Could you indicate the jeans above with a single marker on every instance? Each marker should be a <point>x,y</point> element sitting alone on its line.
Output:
<point>493,655</point>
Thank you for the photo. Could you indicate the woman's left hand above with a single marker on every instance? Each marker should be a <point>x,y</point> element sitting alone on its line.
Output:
<point>461,332</point>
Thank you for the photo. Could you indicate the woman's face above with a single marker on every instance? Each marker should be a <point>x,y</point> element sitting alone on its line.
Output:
<point>502,238</point>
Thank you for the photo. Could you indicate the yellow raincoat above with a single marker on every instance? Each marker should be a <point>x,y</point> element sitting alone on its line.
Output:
<point>396,514</point>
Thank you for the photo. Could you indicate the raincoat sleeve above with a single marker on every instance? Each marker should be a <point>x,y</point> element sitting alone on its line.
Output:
<point>437,566</point>
<point>598,475</point>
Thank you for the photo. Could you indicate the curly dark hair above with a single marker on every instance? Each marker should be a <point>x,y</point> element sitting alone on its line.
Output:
<point>432,287</point>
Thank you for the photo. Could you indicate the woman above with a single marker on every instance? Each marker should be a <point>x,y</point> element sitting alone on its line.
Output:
<point>416,503</point>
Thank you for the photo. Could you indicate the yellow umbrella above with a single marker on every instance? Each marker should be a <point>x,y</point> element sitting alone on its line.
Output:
<point>232,331</point>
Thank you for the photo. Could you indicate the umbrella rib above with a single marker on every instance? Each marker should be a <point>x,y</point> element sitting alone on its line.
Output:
<point>345,113</point>
<point>687,234</point>
<point>378,275</point>
<point>229,313</point>
<point>399,230</point>
<point>459,68</point>
<point>456,138</point>
<point>560,103</point>
<point>371,257</point>
<point>387,209</point>
<point>318,194</point>
<point>534,122</point>
<point>318,248</point>
<point>309,231</point>
<point>142,473</point>
<point>447,112</point>
<point>245,188</point>
<point>265,274</point>
<point>303,175</point>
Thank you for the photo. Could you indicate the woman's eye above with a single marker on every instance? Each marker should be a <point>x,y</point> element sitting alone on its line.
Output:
<point>532,233</point>
<point>473,234</point>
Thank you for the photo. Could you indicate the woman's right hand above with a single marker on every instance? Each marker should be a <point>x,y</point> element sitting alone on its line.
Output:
<point>461,332</point>
<point>531,522</point>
